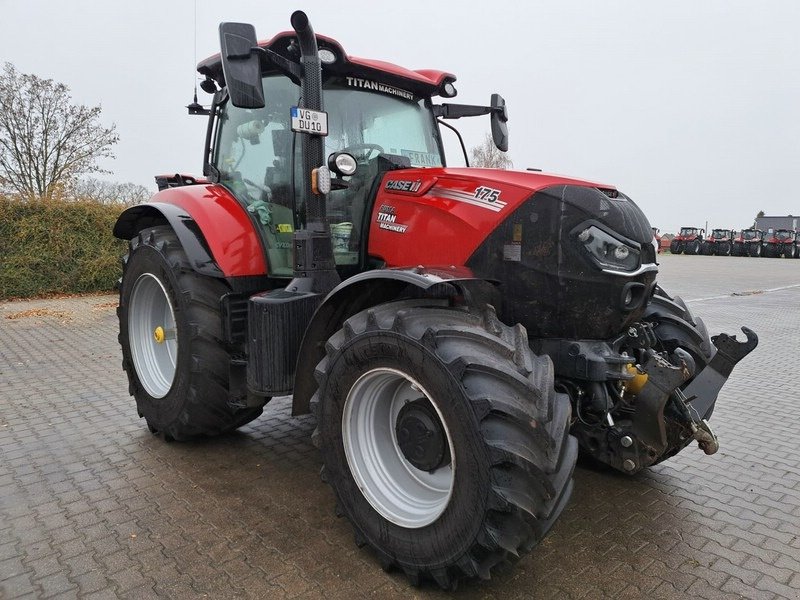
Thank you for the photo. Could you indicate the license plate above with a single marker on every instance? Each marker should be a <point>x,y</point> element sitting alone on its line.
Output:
<point>305,120</point>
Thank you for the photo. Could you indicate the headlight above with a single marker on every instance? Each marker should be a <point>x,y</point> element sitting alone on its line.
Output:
<point>607,252</point>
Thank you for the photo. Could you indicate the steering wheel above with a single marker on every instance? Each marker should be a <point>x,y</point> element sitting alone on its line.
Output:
<point>366,151</point>
<point>254,185</point>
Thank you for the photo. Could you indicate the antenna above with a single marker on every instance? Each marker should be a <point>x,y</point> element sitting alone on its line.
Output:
<point>194,65</point>
<point>195,108</point>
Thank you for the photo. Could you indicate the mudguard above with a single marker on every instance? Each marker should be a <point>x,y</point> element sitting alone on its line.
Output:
<point>359,293</point>
<point>215,231</point>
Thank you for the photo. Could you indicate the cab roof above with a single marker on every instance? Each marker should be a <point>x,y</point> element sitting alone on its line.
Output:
<point>422,82</point>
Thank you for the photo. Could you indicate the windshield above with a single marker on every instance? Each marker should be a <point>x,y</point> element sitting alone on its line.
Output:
<point>688,230</point>
<point>253,152</point>
<point>749,234</point>
<point>720,233</point>
<point>366,123</point>
<point>784,234</point>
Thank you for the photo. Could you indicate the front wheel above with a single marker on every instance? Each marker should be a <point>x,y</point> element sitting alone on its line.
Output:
<point>443,438</point>
<point>171,336</point>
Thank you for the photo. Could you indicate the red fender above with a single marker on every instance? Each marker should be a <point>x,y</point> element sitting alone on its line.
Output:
<point>224,224</point>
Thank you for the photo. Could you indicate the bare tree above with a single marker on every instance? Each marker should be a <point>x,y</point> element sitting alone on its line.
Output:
<point>108,192</point>
<point>488,155</point>
<point>46,141</point>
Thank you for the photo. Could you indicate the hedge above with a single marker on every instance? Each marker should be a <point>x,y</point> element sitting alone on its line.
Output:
<point>53,246</point>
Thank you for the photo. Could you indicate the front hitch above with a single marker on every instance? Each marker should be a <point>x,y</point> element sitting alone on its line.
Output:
<point>647,438</point>
<point>702,392</point>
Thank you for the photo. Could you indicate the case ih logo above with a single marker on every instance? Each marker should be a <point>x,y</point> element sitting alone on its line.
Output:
<point>403,185</point>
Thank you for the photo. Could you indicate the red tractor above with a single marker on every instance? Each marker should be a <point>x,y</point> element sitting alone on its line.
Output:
<point>781,242</point>
<point>689,240</point>
<point>657,239</point>
<point>747,243</point>
<point>719,243</point>
<point>458,333</point>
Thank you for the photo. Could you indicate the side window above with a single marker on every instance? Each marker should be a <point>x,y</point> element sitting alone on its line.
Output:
<point>252,154</point>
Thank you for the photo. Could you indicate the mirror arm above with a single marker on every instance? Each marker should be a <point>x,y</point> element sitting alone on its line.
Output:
<point>460,139</point>
<point>291,69</point>
<point>456,111</point>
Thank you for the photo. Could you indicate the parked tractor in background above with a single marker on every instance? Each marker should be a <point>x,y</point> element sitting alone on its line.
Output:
<point>689,240</point>
<point>780,242</point>
<point>747,243</point>
<point>456,332</point>
<point>657,239</point>
<point>719,243</point>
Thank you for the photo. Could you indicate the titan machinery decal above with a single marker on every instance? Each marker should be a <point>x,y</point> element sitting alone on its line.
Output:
<point>387,219</point>
<point>366,84</point>
<point>403,185</point>
<point>485,197</point>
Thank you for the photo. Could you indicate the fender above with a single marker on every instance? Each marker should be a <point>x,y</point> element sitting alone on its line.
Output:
<point>215,231</point>
<point>358,293</point>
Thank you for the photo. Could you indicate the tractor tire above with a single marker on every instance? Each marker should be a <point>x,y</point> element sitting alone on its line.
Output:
<point>725,249</point>
<point>675,247</point>
<point>443,438</point>
<point>676,326</point>
<point>707,249</point>
<point>171,336</point>
<point>693,247</point>
<point>755,250</point>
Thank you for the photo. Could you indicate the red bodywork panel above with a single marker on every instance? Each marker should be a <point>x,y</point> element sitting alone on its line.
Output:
<point>439,216</point>
<point>226,227</point>
<point>423,81</point>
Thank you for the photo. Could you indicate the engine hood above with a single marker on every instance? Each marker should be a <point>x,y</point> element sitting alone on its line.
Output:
<point>529,180</point>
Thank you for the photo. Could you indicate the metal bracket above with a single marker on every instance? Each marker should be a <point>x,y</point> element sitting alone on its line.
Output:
<point>706,386</point>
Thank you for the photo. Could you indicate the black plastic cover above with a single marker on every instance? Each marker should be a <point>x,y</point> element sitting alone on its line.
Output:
<point>549,284</point>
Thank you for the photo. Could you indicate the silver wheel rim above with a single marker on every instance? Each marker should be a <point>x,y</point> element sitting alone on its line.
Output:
<point>155,360</point>
<point>396,489</point>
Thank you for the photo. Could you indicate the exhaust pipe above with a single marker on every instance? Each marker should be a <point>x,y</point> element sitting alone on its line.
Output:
<point>314,265</point>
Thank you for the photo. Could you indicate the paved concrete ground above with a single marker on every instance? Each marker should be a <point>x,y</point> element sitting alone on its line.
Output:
<point>92,505</point>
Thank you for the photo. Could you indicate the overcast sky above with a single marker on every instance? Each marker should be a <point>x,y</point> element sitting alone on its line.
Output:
<point>691,107</point>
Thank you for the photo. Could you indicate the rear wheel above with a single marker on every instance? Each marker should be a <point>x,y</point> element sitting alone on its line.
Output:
<point>725,249</point>
<point>755,250</point>
<point>693,247</point>
<point>675,247</point>
<point>172,342</point>
<point>443,439</point>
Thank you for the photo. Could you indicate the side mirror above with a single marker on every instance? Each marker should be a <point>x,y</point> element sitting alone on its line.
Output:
<point>499,119</point>
<point>241,64</point>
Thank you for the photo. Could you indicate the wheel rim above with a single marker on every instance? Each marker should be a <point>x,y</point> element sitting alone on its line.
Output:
<point>152,334</point>
<point>396,489</point>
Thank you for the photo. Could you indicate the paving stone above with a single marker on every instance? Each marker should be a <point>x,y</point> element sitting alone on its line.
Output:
<point>93,506</point>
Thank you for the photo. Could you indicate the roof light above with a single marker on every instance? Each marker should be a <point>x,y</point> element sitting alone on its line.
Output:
<point>448,90</point>
<point>326,57</point>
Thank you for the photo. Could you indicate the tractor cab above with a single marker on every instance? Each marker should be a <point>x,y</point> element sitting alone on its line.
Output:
<point>690,232</point>
<point>258,158</point>
<point>378,117</point>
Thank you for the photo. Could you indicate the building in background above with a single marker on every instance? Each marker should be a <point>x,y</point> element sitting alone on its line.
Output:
<point>773,223</point>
